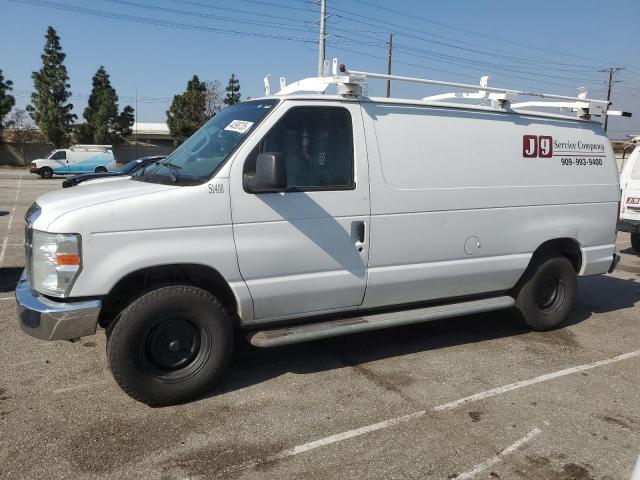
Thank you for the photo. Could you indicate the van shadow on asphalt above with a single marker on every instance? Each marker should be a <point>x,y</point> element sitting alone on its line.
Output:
<point>250,365</point>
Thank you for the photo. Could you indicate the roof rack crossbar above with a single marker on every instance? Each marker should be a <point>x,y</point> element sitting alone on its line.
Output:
<point>384,76</point>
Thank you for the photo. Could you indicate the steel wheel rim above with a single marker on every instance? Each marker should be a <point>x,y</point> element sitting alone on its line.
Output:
<point>550,292</point>
<point>175,349</point>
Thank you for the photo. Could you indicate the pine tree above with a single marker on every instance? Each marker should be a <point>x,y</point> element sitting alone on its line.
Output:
<point>188,111</point>
<point>233,91</point>
<point>49,108</point>
<point>103,123</point>
<point>6,101</point>
<point>101,113</point>
<point>125,121</point>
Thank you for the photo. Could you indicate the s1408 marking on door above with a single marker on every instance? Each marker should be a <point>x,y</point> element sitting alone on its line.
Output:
<point>216,188</point>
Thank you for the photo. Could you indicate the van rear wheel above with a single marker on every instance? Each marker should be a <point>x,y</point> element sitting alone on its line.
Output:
<point>170,345</point>
<point>635,242</point>
<point>547,292</point>
<point>46,172</point>
<point>101,170</point>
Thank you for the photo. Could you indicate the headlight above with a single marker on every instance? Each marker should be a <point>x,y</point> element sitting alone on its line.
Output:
<point>55,262</point>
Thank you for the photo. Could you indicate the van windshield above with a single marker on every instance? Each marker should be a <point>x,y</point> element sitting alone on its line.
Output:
<point>198,158</point>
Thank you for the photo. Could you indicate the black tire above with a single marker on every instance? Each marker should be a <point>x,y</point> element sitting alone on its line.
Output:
<point>46,172</point>
<point>101,170</point>
<point>547,292</point>
<point>635,242</point>
<point>170,345</point>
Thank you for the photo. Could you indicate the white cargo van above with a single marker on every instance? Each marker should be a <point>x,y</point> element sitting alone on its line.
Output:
<point>303,215</point>
<point>630,201</point>
<point>76,159</point>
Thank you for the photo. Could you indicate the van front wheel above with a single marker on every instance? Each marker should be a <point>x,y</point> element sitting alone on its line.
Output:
<point>547,292</point>
<point>46,172</point>
<point>170,345</point>
<point>635,242</point>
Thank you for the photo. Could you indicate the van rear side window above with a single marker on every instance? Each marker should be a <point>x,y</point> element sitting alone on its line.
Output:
<point>317,146</point>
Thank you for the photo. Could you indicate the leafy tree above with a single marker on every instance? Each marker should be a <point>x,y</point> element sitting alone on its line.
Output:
<point>6,101</point>
<point>233,91</point>
<point>103,123</point>
<point>22,132</point>
<point>213,98</point>
<point>187,112</point>
<point>49,107</point>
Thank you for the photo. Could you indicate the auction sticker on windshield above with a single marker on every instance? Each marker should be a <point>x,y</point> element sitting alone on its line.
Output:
<point>240,126</point>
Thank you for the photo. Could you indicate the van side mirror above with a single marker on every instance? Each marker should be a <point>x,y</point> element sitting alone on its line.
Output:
<point>270,174</point>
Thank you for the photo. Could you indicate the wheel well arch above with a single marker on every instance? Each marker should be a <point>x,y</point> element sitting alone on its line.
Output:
<point>136,283</point>
<point>567,247</point>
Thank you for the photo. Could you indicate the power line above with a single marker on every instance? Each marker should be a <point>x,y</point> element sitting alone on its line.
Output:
<point>472,32</point>
<point>356,18</point>
<point>270,24</point>
<point>163,23</point>
<point>85,96</point>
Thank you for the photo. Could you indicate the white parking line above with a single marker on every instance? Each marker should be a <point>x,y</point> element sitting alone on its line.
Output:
<point>305,447</point>
<point>532,381</point>
<point>15,204</point>
<point>13,214</point>
<point>3,249</point>
<point>339,437</point>
<point>6,298</point>
<point>492,461</point>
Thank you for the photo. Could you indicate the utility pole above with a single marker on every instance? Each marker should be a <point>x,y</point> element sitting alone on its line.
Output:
<point>389,64</point>
<point>135,135</point>
<point>611,71</point>
<point>323,36</point>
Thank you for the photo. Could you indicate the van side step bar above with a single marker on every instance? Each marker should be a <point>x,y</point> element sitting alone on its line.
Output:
<point>342,326</point>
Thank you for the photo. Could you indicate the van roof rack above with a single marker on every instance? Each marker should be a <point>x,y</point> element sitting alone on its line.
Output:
<point>349,84</point>
<point>90,147</point>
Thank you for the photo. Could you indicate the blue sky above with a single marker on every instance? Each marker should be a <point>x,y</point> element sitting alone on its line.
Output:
<point>551,46</point>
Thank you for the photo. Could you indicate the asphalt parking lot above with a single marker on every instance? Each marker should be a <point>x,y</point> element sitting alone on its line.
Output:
<point>473,397</point>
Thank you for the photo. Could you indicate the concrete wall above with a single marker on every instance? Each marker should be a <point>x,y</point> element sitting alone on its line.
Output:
<point>9,154</point>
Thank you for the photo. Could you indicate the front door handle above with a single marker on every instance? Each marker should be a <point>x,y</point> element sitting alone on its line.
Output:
<point>359,234</point>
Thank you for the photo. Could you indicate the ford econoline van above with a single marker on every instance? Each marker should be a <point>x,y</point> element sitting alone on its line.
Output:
<point>630,201</point>
<point>304,215</point>
<point>76,159</point>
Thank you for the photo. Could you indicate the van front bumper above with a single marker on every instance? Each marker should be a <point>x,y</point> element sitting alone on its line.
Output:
<point>47,319</point>
<point>629,226</point>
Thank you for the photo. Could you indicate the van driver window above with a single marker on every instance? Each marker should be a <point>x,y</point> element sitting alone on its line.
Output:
<point>60,156</point>
<point>317,146</point>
